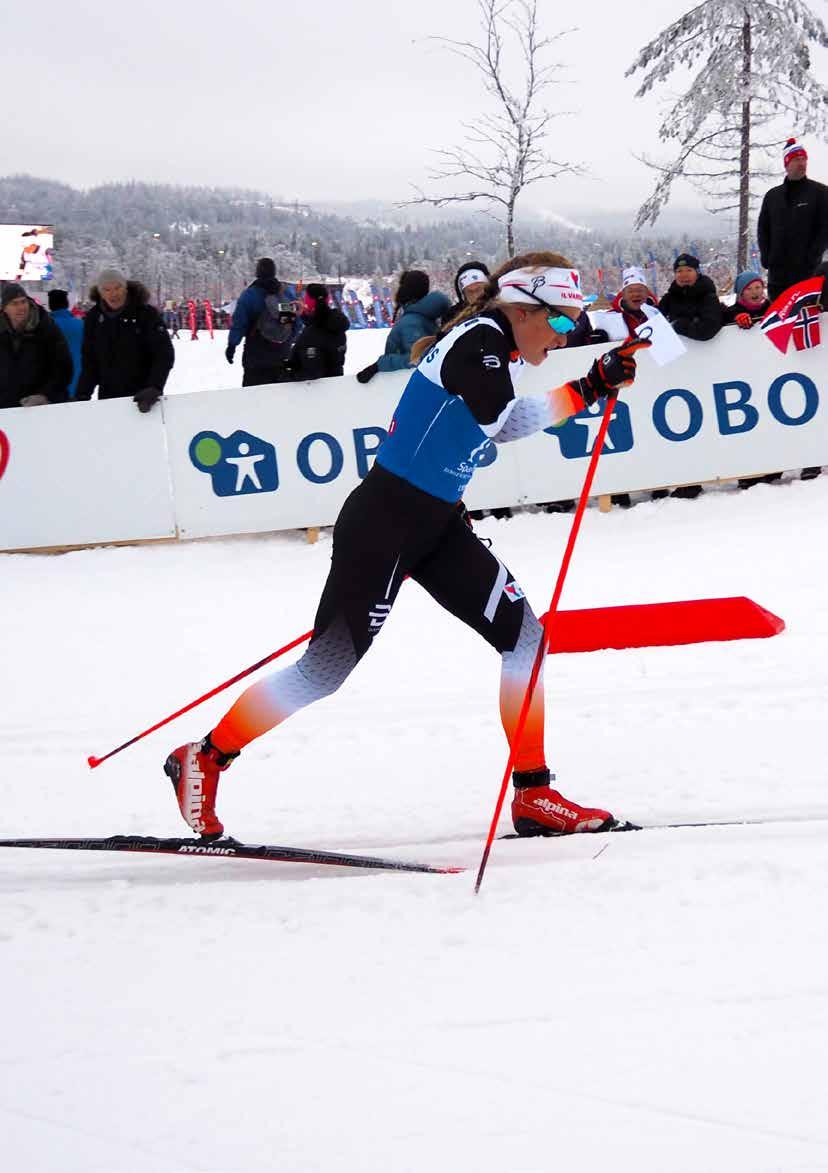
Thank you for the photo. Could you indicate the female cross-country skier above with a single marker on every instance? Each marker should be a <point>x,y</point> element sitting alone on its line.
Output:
<point>406,519</point>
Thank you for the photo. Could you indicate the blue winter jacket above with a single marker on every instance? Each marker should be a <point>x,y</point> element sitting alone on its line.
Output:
<point>418,319</point>
<point>249,306</point>
<point>72,330</point>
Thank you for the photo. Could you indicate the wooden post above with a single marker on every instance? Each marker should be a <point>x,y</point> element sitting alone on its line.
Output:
<point>605,502</point>
<point>312,534</point>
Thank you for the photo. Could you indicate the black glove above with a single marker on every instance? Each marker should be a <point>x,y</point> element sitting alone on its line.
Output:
<point>610,372</point>
<point>229,352</point>
<point>368,373</point>
<point>146,397</point>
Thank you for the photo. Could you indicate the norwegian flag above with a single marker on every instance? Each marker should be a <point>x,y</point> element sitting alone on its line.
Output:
<point>795,314</point>
<point>806,328</point>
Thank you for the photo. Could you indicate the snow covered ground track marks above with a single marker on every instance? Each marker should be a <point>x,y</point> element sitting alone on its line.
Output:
<point>659,1008</point>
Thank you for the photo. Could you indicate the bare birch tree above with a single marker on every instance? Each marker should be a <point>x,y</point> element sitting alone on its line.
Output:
<point>754,88</point>
<point>504,150</point>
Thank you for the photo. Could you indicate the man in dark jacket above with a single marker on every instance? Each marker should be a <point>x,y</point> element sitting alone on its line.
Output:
<point>693,309</point>
<point>319,352</point>
<point>793,224</point>
<point>691,304</point>
<point>126,349</point>
<point>35,364</point>
<point>269,326</point>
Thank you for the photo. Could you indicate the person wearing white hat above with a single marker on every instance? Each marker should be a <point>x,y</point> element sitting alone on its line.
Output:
<point>631,307</point>
<point>406,520</point>
<point>469,283</point>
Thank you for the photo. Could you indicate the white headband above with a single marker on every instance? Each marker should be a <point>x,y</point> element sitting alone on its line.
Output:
<point>633,276</point>
<point>471,277</point>
<point>552,287</point>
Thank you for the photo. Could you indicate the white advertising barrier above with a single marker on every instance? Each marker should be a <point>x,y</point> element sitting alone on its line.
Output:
<point>286,456</point>
<point>282,457</point>
<point>727,408</point>
<point>76,474</point>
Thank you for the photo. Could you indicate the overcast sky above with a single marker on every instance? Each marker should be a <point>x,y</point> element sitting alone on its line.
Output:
<point>333,99</point>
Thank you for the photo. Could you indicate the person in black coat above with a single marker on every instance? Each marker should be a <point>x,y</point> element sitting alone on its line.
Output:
<point>690,304</point>
<point>793,224</point>
<point>319,352</point>
<point>126,349</point>
<point>35,363</point>
<point>822,271</point>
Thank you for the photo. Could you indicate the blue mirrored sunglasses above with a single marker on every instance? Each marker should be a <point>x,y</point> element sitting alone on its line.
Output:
<point>560,323</point>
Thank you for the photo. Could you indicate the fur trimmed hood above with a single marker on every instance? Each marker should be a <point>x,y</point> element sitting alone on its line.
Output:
<point>137,294</point>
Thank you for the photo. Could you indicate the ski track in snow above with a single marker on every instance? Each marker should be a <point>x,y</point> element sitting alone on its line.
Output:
<point>652,1002</point>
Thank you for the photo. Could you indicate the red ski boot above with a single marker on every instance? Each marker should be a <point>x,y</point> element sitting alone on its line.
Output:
<point>539,810</point>
<point>194,772</point>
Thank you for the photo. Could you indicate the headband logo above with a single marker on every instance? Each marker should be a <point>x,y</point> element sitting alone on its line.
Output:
<point>538,281</point>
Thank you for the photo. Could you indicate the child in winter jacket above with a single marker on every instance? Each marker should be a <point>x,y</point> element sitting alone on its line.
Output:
<point>751,302</point>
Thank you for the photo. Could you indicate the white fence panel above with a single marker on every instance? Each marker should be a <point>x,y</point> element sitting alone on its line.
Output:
<point>251,460</point>
<point>83,473</point>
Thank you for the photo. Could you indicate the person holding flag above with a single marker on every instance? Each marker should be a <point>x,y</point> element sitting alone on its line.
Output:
<point>406,520</point>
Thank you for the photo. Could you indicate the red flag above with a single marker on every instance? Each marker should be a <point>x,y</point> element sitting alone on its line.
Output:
<point>795,314</point>
<point>806,328</point>
<point>208,316</point>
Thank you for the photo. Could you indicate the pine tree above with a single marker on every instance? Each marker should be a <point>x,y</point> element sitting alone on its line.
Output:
<point>753,89</point>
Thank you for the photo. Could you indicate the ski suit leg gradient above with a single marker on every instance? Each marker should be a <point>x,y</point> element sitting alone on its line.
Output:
<point>383,535</point>
<point>465,577</point>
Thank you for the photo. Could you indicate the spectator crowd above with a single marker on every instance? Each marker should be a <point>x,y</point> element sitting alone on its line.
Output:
<point>122,347</point>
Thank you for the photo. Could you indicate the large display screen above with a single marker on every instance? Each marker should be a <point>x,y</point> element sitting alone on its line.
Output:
<point>26,252</point>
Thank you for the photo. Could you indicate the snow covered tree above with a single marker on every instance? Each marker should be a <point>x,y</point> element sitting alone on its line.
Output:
<point>753,89</point>
<point>504,151</point>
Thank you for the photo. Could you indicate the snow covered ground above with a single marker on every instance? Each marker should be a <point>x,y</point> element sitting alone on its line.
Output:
<point>643,1003</point>
<point>201,365</point>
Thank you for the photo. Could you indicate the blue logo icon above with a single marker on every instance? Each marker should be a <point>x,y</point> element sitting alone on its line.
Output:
<point>238,465</point>
<point>578,435</point>
<point>483,455</point>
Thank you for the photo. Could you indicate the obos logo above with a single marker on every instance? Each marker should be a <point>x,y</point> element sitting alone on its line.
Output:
<point>578,435</point>
<point>4,453</point>
<point>237,465</point>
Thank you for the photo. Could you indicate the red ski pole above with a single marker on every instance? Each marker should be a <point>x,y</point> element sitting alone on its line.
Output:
<point>300,639</point>
<point>547,631</point>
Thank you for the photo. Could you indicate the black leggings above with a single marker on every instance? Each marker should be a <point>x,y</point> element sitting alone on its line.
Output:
<point>387,531</point>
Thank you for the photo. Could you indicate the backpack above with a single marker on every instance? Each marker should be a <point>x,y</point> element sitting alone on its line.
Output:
<point>276,325</point>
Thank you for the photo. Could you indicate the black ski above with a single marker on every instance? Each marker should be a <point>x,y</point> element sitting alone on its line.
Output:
<point>229,849</point>
<point>625,825</point>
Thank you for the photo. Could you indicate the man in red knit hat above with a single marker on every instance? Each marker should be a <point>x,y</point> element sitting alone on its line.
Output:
<point>793,224</point>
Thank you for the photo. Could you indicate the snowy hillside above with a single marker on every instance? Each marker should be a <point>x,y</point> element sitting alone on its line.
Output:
<point>646,1003</point>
